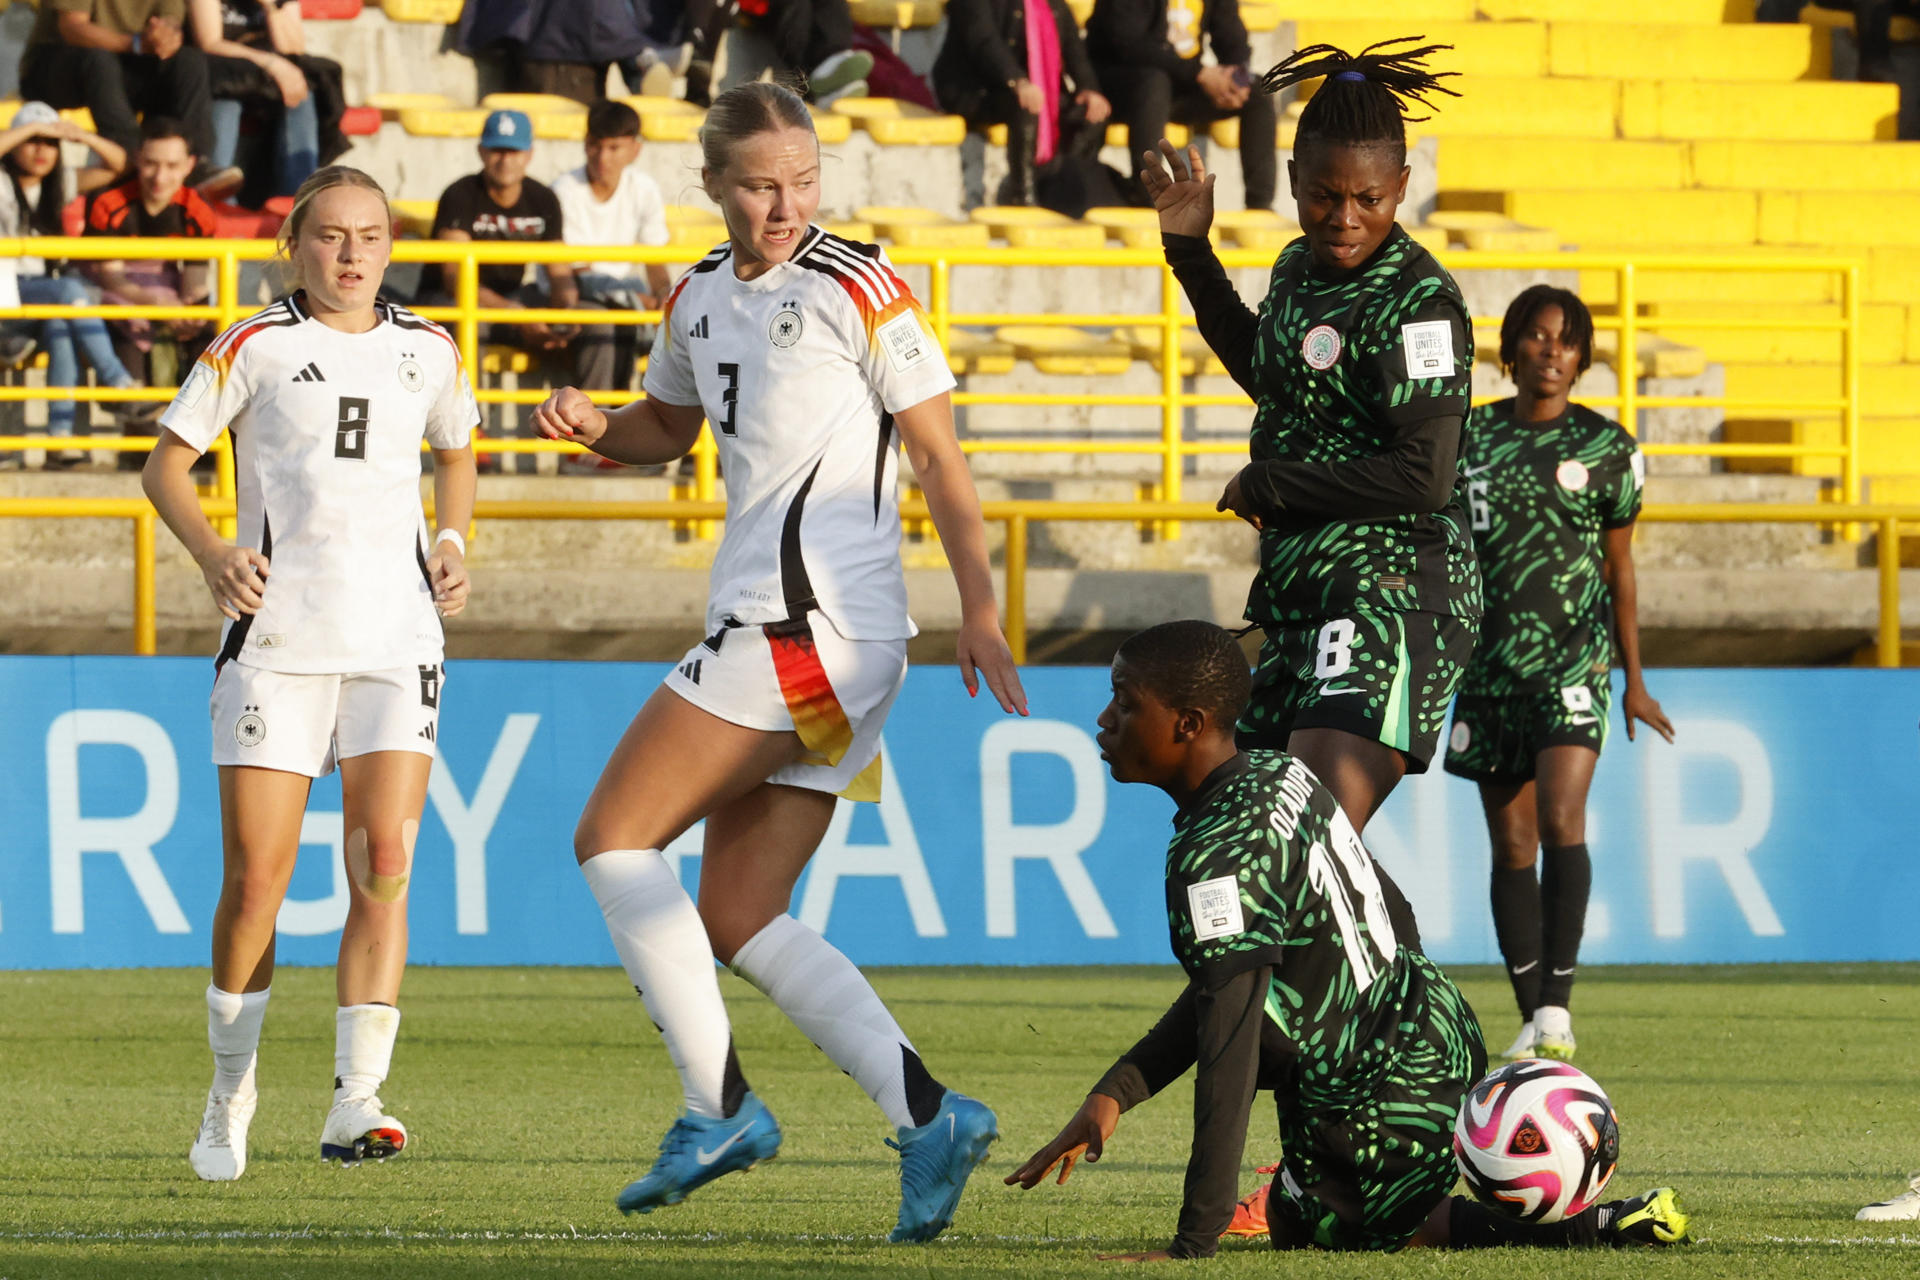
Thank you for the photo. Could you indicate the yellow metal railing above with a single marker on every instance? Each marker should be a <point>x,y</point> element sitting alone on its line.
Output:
<point>1016,519</point>
<point>1174,397</point>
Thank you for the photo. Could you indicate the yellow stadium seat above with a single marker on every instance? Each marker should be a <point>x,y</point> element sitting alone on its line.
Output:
<point>443,122</point>
<point>533,104</point>
<point>416,216</point>
<point>1261,17</point>
<point>892,123</point>
<point>1893,274</point>
<point>971,352</point>
<point>1178,134</point>
<point>561,126</point>
<point>1744,52</point>
<point>79,117</point>
<point>1479,48</point>
<point>901,14</point>
<point>923,228</point>
<point>667,119</point>
<point>1261,229</point>
<point>1804,166</point>
<point>1399,11</point>
<point>1058,349</point>
<point>1503,163</point>
<point>1833,218</point>
<point>694,226</point>
<point>1659,357</point>
<point>1803,111</point>
<point>1660,284</point>
<point>441,12</point>
<point>1431,238</point>
<point>1689,12</point>
<point>1883,332</point>
<point>1023,227</point>
<point>1133,227</point>
<point>1648,219</point>
<point>830,128</point>
<point>851,230</point>
<point>390,105</point>
<point>498,360</point>
<point>1148,343</point>
<point>1885,389</point>
<point>1889,445</point>
<point>1525,107</point>
<point>1913,333</point>
<point>1081,10</point>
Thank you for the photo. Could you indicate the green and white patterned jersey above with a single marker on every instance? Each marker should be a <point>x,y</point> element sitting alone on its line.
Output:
<point>1342,362</point>
<point>1265,869</point>
<point>1541,496</point>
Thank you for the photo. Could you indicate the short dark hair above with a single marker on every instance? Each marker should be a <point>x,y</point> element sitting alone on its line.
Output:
<point>1363,101</point>
<point>154,128</point>
<point>1575,320</point>
<point>609,119</point>
<point>1191,663</point>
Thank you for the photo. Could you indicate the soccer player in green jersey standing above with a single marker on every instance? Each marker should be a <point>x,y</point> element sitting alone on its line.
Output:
<point>1300,980</point>
<point>1553,490</point>
<point>1358,364</point>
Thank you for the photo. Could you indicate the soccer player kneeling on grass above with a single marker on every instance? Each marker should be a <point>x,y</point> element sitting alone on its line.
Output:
<point>1300,981</point>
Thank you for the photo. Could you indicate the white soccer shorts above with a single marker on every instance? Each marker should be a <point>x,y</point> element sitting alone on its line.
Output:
<point>804,676</point>
<point>309,723</point>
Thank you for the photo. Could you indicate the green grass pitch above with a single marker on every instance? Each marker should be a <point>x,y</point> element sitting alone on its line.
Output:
<point>1778,1099</point>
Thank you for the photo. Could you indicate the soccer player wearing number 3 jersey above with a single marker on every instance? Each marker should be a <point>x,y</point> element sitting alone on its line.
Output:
<point>1300,981</point>
<point>810,359</point>
<point>332,649</point>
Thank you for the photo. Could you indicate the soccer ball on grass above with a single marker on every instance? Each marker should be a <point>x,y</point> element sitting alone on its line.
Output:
<point>1536,1140</point>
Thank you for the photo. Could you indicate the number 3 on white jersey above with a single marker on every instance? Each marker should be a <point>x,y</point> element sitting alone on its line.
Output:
<point>1347,879</point>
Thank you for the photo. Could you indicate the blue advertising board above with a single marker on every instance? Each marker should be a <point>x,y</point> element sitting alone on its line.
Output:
<point>1781,826</point>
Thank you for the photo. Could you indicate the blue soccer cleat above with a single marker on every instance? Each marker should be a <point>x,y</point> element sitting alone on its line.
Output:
<point>699,1149</point>
<point>935,1161</point>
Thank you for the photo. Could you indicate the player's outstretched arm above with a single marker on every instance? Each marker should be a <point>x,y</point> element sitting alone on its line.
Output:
<point>1616,567</point>
<point>926,430</point>
<point>237,576</point>
<point>455,479</point>
<point>644,433</point>
<point>1086,1134</point>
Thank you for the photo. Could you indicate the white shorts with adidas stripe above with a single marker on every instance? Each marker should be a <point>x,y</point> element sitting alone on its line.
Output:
<point>307,724</point>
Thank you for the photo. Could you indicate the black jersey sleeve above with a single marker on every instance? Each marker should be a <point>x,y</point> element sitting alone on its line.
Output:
<point>1157,1059</point>
<point>1414,476</point>
<point>1422,366</point>
<point>1226,322</point>
<point>1227,1021</point>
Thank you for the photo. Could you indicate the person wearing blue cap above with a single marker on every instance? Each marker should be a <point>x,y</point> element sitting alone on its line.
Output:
<point>502,203</point>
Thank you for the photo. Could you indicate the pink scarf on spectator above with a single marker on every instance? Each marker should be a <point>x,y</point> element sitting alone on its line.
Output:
<point>1043,68</point>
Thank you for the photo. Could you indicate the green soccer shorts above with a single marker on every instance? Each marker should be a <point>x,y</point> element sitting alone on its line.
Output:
<point>1385,676</point>
<point>1497,739</point>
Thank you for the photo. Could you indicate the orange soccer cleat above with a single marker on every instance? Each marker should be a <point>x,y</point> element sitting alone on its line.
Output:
<point>1250,1215</point>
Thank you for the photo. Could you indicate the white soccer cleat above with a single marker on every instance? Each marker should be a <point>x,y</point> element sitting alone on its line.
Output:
<point>359,1129</point>
<point>1553,1033</point>
<point>1523,1044</point>
<point>220,1148</point>
<point>1904,1207</point>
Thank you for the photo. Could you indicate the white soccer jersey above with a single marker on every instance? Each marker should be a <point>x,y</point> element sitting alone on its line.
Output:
<point>327,429</point>
<point>800,372</point>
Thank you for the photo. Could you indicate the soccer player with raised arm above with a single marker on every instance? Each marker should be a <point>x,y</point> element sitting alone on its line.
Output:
<point>331,654</point>
<point>1299,981</point>
<point>810,359</point>
<point>1553,490</point>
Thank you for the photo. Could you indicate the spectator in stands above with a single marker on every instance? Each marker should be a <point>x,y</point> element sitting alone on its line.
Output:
<point>31,198</point>
<point>1021,63</point>
<point>259,66</point>
<point>1150,56</point>
<point>814,37</point>
<point>608,201</point>
<point>502,203</point>
<point>116,58</point>
<point>562,47</point>
<point>156,202</point>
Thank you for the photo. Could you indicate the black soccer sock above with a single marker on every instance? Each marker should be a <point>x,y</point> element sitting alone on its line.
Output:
<point>1471,1225</point>
<point>1516,922</point>
<point>733,1085</point>
<point>923,1091</point>
<point>1566,880</point>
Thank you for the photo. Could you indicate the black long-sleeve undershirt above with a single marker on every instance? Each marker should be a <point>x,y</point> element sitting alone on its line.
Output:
<point>1415,475</point>
<point>1217,1028</point>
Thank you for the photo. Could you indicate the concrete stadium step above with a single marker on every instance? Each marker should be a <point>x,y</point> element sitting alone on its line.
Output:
<point>1889,445</point>
<point>1504,162</point>
<point>1753,165</point>
<point>1397,11</point>
<point>1673,285</point>
<point>1650,219</point>
<point>1885,389</point>
<point>1509,49</point>
<point>1905,490</point>
<point>1689,12</point>
<point>1660,49</point>
<point>1884,337</point>
<point>1526,107</point>
<point>1833,218</point>
<point>1800,111</point>
<point>1893,274</point>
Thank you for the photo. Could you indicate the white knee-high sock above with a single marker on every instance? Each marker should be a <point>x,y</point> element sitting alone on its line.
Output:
<point>834,1005</point>
<point>233,1032</point>
<point>363,1036</point>
<point>664,948</point>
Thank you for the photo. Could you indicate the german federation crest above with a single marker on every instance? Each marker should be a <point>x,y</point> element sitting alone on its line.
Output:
<point>785,329</point>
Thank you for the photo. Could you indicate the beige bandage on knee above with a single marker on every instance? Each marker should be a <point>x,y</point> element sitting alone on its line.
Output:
<point>381,888</point>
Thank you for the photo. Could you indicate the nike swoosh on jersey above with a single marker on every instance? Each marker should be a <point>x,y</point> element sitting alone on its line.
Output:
<point>1466,472</point>
<point>1523,968</point>
<point>1329,691</point>
<point>706,1157</point>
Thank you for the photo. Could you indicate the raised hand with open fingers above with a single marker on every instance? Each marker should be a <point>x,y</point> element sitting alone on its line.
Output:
<point>1181,189</point>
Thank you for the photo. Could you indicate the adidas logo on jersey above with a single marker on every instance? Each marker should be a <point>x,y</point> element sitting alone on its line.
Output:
<point>310,374</point>
<point>691,670</point>
<point>699,329</point>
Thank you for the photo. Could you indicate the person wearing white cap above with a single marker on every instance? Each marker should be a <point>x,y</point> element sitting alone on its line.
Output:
<point>37,186</point>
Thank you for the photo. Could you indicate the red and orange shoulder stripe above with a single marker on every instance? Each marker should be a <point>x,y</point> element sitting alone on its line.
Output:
<point>225,349</point>
<point>877,293</point>
<point>710,263</point>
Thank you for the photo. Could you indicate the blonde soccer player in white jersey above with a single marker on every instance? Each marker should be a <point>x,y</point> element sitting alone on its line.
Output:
<point>331,654</point>
<point>810,358</point>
